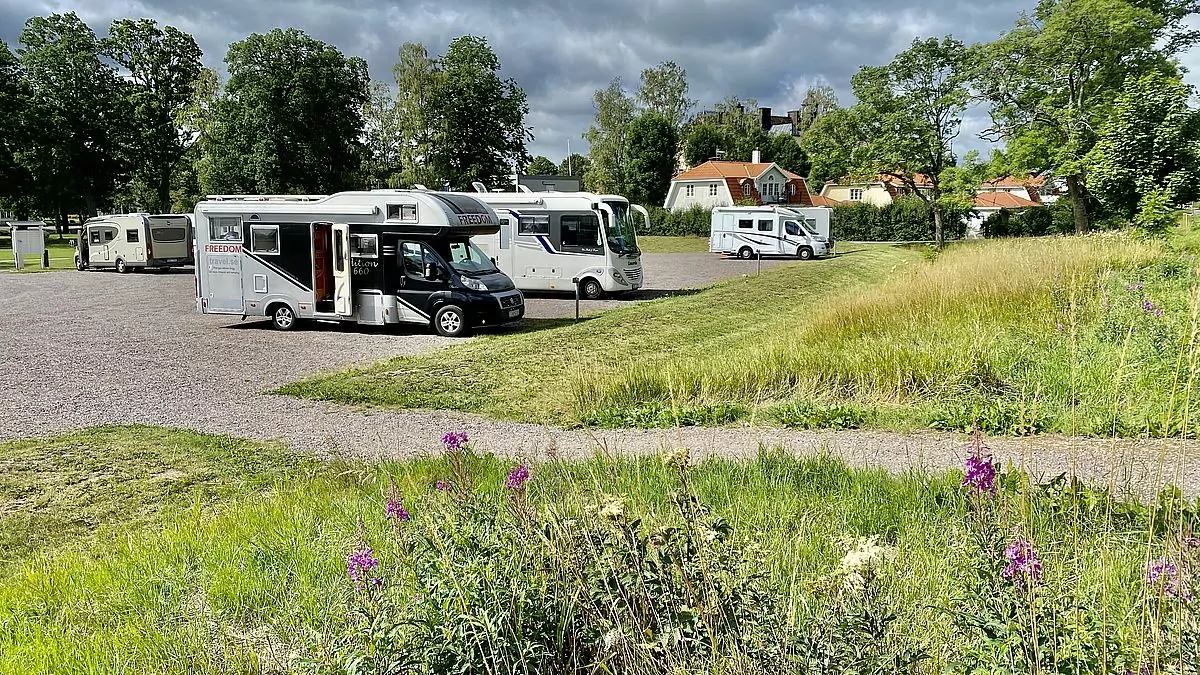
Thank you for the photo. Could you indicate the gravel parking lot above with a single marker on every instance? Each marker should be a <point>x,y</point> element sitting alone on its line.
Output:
<point>85,349</point>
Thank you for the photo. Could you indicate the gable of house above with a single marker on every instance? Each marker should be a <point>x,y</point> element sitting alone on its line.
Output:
<point>737,180</point>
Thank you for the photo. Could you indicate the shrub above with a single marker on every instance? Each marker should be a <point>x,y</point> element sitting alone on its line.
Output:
<point>1031,222</point>
<point>692,222</point>
<point>908,218</point>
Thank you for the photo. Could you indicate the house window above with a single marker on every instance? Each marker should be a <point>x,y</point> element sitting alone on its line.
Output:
<point>690,191</point>
<point>402,212</point>
<point>745,224</point>
<point>766,225</point>
<point>264,238</point>
<point>856,194</point>
<point>712,190</point>
<point>539,224</point>
<point>771,189</point>
<point>131,236</point>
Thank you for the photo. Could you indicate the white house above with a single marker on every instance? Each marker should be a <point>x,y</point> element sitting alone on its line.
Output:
<point>722,183</point>
<point>880,191</point>
<point>1010,193</point>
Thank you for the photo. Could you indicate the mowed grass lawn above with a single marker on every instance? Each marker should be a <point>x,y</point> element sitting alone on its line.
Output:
<point>62,256</point>
<point>143,550</point>
<point>535,375</point>
<point>673,244</point>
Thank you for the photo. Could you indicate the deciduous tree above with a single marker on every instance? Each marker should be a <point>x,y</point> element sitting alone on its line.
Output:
<point>163,65</point>
<point>13,95</point>
<point>833,144</point>
<point>608,137</point>
<point>542,166</point>
<point>417,81</point>
<point>574,165</point>
<point>702,140</point>
<point>664,91</point>
<point>383,138</point>
<point>653,142</point>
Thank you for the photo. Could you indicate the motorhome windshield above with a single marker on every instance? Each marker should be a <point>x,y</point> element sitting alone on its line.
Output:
<point>621,235</point>
<point>466,258</point>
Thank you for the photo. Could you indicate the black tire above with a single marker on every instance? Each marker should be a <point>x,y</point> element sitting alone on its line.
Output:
<point>591,289</point>
<point>121,267</point>
<point>283,317</point>
<point>450,321</point>
<point>79,264</point>
<point>804,253</point>
<point>746,253</point>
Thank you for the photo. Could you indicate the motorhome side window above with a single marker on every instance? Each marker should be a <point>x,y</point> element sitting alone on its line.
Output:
<point>364,246</point>
<point>792,227</point>
<point>131,236</point>
<point>95,235</point>
<point>745,224</point>
<point>766,225</point>
<point>415,258</point>
<point>225,229</point>
<point>110,233</point>
<point>580,232</point>
<point>264,238</point>
<point>405,212</point>
<point>534,225</point>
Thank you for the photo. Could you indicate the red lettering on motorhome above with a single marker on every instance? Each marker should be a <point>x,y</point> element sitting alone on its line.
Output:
<point>222,248</point>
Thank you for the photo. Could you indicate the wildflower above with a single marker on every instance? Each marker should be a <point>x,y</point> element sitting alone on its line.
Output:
<point>677,458</point>
<point>1023,563</point>
<point>444,486</point>
<point>1059,327</point>
<point>1162,572</point>
<point>517,477</point>
<point>980,472</point>
<point>359,563</point>
<point>1134,287</point>
<point>396,511</point>
<point>1150,308</point>
<point>613,509</point>
<point>454,440</point>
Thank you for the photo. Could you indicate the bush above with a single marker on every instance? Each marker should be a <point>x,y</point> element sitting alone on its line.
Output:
<point>692,222</point>
<point>906,219</point>
<point>1032,222</point>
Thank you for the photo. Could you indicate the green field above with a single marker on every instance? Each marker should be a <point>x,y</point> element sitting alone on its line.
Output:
<point>155,551</point>
<point>62,256</point>
<point>673,244</point>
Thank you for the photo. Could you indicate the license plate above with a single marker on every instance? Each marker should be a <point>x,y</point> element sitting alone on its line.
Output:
<point>513,312</point>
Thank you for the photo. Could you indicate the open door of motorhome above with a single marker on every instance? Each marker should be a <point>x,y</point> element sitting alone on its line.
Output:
<point>343,298</point>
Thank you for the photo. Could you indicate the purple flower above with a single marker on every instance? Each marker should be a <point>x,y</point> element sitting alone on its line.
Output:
<point>396,511</point>
<point>454,440</point>
<point>980,473</point>
<point>1162,572</point>
<point>517,477</point>
<point>1024,566</point>
<point>359,563</point>
<point>444,486</point>
<point>1149,307</point>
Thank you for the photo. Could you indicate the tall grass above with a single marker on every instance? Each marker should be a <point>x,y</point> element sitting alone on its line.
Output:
<point>1046,334</point>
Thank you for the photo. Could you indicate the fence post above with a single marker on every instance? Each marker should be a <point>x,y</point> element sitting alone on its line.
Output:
<point>575,283</point>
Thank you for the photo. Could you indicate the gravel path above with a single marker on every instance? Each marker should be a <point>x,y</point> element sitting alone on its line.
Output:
<point>83,349</point>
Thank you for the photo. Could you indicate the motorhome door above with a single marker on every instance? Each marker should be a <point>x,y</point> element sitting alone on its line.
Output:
<point>343,299</point>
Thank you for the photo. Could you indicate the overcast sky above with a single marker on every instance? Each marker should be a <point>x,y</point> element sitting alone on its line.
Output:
<point>561,51</point>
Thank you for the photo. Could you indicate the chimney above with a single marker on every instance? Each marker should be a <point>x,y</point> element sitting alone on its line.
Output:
<point>755,157</point>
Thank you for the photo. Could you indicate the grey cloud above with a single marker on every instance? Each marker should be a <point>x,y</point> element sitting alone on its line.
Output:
<point>561,51</point>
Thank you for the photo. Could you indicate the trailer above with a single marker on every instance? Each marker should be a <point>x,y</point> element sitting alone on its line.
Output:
<point>548,240</point>
<point>375,257</point>
<point>755,231</point>
<point>134,241</point>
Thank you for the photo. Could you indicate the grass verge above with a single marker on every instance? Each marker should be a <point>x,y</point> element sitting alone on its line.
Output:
<point>534,375</point>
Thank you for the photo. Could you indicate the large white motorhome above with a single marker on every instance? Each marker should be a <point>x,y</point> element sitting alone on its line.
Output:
<point>546,239</point>
<point>750,231</point>
<point>378,257</point>
<point>134,241</point>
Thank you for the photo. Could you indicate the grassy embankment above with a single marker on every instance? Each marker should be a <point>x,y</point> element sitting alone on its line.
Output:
<point>155,551</point>
<point>1090,335</point>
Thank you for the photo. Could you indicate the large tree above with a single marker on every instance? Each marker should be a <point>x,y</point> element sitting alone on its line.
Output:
<point>574,165</point>
<point>909,112</point>
<point>479,117</point>
<point>542,166</point>
<point>664,91</point>
<point>650,160</point>
<point>163,66</point>
<point>290,119</point>
<point>833,144</point>
<point>13,177</point>
<point>608,137</point>
<point>1147,157</point>
<point>73,121</point>
<point>383,138</point>
<point>1057,72</point>
<point>417,81</point>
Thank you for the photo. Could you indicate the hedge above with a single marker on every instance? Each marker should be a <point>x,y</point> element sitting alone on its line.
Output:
<point>906,219</point>
<point>1031,222</point>
<point>692,222</point>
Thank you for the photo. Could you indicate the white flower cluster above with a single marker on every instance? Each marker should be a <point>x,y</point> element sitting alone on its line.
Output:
<point>866,555</point>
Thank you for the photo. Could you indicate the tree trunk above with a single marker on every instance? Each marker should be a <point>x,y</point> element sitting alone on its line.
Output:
<point>1078,204</point>
<point>938,235</point>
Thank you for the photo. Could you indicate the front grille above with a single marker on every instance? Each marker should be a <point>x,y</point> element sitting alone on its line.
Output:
<point>509,301</point>
<point>634,275</point>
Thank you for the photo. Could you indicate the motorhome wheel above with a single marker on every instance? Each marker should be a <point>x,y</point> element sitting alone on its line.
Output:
<point>746,253</point>
<point>449,321</point>
<point>591,289</point>
<point>121,268</point>
<point>283,318</point>
<point>805,253</point>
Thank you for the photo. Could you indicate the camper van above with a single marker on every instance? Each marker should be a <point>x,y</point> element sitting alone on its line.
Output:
<point>754,231</point>
<point>379,257</point>
<point>134,241</point>
<point>547,239</point>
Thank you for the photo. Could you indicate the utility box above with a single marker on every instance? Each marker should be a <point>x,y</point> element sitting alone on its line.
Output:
<point>29,239</point>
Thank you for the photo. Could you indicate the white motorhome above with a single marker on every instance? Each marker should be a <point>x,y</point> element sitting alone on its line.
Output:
<point>546,239</point>
<point>378,257</point>
<point>134,241</point>
<point>751,231</point>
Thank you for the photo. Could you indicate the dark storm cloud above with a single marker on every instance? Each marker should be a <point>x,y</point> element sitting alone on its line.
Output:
<point>561,51</point>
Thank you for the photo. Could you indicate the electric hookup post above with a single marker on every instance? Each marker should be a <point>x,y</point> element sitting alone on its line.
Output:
<point>575,283</point>
<point>29,240</point>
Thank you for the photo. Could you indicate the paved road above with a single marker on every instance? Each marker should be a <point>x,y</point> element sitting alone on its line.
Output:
<point>82,349</point>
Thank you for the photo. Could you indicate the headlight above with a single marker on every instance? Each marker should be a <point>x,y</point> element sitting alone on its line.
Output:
<point>617,276</point>
<point>473,284</point>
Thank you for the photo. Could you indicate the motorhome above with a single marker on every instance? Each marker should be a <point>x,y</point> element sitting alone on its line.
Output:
<point>379,257</point>
<point>547,239</point>
<point>134,241</point>
<point>755,231</point>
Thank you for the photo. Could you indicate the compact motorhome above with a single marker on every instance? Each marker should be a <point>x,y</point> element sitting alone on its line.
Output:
<point>134,241</point>
<point>750,231</point>
<point>546,239</point>
<point>378,257</point>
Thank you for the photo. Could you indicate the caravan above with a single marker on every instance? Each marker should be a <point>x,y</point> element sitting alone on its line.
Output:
<point>379,257</point>
<point>750,231</point>
<point>548,239</point>
<point>134,241</point>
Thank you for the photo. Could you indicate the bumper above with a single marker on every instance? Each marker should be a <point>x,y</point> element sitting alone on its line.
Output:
<point>496,310</point>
